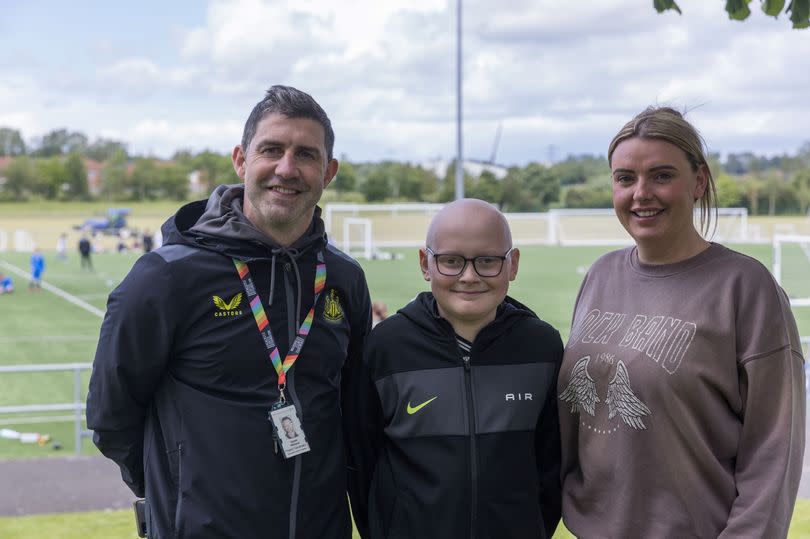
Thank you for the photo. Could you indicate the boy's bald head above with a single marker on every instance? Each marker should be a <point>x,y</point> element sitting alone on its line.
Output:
<point>466,214</point>
<point>466,239</point>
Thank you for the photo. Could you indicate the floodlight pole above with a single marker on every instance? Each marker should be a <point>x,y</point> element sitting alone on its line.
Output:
<point>459,146</point>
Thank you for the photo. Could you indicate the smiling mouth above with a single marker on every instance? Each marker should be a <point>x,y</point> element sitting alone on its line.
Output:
<point>284,190</point>
<point>646,213</point>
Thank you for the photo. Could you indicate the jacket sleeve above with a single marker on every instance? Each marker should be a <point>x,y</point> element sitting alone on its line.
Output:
<point>131,358</point>
<point>354,408</point>
<point>771,448</point>
<point>547,443</point>
<point>363,427</point>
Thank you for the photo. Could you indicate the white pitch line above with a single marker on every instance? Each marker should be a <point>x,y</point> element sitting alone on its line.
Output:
<point>48,338</point>
<point>58,291</point>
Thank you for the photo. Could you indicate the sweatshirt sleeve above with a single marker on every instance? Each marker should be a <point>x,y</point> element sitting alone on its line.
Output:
<point>771,450</point>
<point>131,357</point>
<point>363,421</point>
<point>547,443</point>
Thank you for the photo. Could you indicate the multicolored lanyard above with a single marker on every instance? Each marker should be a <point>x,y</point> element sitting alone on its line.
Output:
<point>264,325</point>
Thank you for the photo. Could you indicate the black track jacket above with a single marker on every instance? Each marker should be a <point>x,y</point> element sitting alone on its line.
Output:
<point>446,447</point>
<point>182,382</point>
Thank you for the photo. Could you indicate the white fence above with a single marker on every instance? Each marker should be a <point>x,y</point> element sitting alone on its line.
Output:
<point>77,406</point>
<point>21,241</point>
<point>404,225</point>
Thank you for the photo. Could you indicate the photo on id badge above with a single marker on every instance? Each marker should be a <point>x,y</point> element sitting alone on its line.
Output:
<point>289,433</point>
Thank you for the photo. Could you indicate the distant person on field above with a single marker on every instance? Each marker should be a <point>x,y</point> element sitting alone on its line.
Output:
<point>379,312</point>
<point>681,394</point>
<point>61,246</point>
<point>85,250</point>
<point>452,415</point>
<point>37,269</point>
<point>148,241</point>
<point>6,284</point>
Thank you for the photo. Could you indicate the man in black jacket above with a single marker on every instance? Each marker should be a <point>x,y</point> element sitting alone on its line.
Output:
<point>453,410</point>
<point>244,317</point>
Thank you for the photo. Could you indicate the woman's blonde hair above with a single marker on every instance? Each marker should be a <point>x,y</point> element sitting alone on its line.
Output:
<point>669,125</point>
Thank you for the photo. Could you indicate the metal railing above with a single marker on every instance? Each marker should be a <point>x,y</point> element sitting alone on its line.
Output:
<point>77,406</point>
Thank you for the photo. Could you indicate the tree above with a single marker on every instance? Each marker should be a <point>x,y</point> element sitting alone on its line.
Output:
<point>104,149</point>
<point>172,182</point>
<point>51,175</point>
<point>377,186</point>
<point>738,10</point>
<point>729,192</point>
<point>11,142</point>
<point>346,179</point>
<point>214,168</point>
<point>801,182</point>
<point>76,177</point>
<point>61,142</point>
<point>144,181</point>
<point>19,176</point>
<point>114,186</point>
<point>542,185</point>
<point>486,187</point>
<point>589,196</point>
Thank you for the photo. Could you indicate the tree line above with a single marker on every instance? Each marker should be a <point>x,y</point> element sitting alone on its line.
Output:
<point>57,165</point>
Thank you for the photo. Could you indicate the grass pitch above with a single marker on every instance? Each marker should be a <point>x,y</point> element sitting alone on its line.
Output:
<point>121,525</point>
<point>41,327</point>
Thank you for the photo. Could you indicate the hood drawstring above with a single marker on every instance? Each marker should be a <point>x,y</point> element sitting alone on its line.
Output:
<point>292,254</point>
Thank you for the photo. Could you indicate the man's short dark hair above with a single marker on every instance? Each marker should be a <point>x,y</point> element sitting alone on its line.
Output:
<point>292,103</point>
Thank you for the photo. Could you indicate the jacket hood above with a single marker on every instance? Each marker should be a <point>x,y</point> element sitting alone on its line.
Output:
<point>423,312</point>
<point>219,224</point>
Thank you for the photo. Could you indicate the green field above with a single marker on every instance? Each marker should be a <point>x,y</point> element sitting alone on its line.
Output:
<point>43,327</point>
<point>121,525</point>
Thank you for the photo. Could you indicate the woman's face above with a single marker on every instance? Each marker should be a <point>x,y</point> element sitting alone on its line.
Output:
<point>654,194</point>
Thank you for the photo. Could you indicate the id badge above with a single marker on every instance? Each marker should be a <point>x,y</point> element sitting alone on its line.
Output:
<point>288,432</point>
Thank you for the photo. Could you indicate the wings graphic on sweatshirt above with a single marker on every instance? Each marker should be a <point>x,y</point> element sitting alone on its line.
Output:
<point>581,394</point>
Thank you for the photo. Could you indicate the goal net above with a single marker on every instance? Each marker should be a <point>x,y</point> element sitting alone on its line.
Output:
<point>791,267</point>
<point>366,229</point>
<point>601,227</point>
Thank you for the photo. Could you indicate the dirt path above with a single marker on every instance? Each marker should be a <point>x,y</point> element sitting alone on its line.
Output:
<point>61,485</point>
<point>77,484</point>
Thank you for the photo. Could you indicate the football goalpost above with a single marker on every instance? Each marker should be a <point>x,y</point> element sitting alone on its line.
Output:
<point>21,241</point>
<point>791,267</point>
<point>385,226</point>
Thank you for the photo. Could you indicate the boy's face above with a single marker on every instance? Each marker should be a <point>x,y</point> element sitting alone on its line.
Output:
<point>468,298</point>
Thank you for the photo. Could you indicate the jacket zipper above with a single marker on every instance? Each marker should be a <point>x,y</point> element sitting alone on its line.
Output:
<point>473,447</point>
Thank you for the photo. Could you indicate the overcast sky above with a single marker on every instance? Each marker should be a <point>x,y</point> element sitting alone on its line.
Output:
<point>560,77</point>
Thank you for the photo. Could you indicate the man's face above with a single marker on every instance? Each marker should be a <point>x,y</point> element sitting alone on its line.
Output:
<point>468,298</point>
<point>287,425</point>
<point>285,170</point>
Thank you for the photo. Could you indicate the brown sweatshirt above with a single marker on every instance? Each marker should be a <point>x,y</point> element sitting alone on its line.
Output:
<point>682,401</point>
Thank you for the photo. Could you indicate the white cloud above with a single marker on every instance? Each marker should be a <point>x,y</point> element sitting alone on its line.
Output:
<point>553,75</point>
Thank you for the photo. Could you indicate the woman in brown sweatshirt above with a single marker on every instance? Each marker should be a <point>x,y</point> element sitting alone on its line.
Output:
<point>681,394</point>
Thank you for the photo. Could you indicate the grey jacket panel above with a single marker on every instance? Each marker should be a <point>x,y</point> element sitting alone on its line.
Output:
<point>433,402</point>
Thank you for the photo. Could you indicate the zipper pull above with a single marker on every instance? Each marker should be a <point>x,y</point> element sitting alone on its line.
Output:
<point>466,360</point>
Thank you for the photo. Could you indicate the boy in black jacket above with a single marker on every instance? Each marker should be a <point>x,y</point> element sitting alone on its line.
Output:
<point>452,415</point>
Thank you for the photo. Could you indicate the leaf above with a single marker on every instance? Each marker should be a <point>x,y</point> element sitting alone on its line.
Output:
<point>738,9</point>
<point>773,7</point>
<point>799,13</point>
<point>664,5</point>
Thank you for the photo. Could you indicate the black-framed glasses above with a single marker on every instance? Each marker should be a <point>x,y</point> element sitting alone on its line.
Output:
<point>451,265</point>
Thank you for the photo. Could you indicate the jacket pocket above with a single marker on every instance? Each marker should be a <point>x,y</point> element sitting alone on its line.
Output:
<point>175,458</point>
